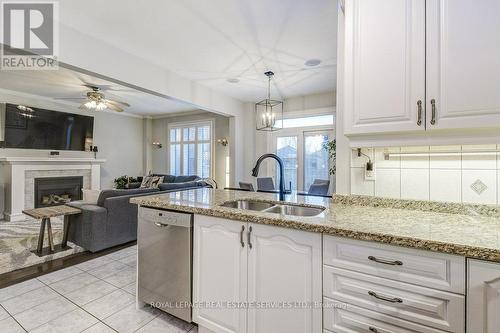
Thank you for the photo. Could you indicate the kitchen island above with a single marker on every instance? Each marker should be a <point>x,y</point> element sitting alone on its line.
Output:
<point>360,264</point>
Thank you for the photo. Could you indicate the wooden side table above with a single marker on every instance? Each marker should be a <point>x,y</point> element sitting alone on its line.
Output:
<point>44,214</point>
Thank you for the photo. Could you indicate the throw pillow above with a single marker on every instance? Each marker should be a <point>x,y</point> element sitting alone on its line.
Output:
<point>91,196</point>
<point>151,181</point>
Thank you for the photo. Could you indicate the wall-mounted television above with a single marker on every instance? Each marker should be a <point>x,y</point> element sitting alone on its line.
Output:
<point>28,127</point>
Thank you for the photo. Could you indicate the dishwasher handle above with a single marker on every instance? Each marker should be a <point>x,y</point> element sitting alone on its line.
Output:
<point>161,225</point>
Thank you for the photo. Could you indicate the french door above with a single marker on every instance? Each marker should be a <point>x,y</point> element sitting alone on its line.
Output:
<point>303,155</point>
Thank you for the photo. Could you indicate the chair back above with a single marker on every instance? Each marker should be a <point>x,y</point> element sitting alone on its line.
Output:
<point>247,186</point>
<point>319,187</point>
<point>265,184</point>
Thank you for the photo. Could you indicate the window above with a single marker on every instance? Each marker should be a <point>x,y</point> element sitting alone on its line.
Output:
<point>300,145</point>
<point>286,149</point>
<point>190,149</point>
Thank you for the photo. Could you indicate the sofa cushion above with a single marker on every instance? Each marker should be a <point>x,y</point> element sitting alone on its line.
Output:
<point>166,178</point>
<point>151,181</point>
<point>183,179</point>
<point>116,193</point>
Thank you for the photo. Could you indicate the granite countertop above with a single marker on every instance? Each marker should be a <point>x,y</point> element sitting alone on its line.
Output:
<point>468,230</point>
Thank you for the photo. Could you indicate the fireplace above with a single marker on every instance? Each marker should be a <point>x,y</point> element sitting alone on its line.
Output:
<point>53,191</point>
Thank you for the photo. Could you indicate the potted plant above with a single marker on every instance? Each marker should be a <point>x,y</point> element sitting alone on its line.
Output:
<point>122,181</point>
<point>331,148</point>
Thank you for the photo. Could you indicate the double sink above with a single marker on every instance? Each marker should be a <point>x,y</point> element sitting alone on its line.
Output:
<point>268,207</point>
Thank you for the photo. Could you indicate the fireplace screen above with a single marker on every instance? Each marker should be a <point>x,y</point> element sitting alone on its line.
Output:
<point>54,191</point>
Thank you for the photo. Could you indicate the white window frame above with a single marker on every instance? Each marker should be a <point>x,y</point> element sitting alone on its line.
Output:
<point>300,133</point>
<point>197,123</point>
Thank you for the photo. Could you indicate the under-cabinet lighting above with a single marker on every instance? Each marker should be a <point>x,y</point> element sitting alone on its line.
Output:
<point>388,155</point>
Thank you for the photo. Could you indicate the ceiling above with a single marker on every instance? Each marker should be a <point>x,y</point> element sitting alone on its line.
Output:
<point>212,41</point>
<point>66,83</point>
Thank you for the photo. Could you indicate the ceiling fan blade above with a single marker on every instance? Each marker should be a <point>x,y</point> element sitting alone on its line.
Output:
<point>117,103</point>
<point>114,107</point>
<point>71,98</point>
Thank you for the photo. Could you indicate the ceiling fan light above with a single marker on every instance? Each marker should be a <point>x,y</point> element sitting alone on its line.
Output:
<point>90,105</point>
<point>101,106</point>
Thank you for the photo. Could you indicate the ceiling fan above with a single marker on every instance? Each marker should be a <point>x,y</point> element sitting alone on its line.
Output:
<point>96,100</point>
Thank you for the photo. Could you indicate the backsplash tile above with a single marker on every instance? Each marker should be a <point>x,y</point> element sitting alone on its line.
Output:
<point>388,183</point>
<point>415,184</point>
<point>482,161</point>
<point>445,185</point>
<point>431,177</point>
<point>359,185</point>
<point>479,186</point>
<point>414,162</point>
<point>445,162</point>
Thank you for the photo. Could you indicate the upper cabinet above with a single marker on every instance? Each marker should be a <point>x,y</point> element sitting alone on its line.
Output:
<point>417,66</point>
<point>463,63</point>
<point>384,65</point>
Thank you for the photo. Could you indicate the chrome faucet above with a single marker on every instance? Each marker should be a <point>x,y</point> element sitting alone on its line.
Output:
<point>255,172</point>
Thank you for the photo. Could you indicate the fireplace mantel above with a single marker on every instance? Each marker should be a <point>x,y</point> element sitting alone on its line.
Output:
<point>16,178</point>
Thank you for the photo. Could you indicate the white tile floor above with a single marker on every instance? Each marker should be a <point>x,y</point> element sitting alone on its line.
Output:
<point>93,297</point>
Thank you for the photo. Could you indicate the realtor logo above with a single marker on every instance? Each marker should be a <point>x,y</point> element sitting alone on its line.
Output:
<point>29,35</point>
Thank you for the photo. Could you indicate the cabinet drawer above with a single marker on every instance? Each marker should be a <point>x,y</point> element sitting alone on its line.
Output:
<point>425,268</point>
<point>429,307</point>
<point>353,319</point>
<point>165,217</point>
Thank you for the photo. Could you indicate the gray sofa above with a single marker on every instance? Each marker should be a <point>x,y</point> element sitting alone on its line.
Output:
<point>113,220</point>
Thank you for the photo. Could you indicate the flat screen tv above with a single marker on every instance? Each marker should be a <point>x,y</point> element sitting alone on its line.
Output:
<point>33,128</point>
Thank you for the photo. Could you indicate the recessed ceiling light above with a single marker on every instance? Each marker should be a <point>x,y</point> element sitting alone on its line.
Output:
<point>312,62</point>
<point>232,80</point>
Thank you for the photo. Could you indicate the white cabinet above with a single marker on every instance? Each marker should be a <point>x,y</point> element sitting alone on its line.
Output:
<point>275,271</point>
<point>219,274</point>
<point>483,297</point>
<point>444,53</point>
<point>463,63</point>
<point>384,65</point>
<point>284,269</point>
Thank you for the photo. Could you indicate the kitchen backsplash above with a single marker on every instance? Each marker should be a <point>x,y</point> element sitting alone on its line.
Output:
<point>468,178</point>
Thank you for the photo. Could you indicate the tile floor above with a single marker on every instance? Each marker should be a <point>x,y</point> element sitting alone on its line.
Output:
<point>95,296</point>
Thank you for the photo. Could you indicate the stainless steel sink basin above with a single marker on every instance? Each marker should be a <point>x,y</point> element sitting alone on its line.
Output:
<point>268,207</point>
<point>248,205</point>
<point>294,210</point>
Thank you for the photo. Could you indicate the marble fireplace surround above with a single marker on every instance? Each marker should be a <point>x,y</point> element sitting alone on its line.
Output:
<point>18,174</point>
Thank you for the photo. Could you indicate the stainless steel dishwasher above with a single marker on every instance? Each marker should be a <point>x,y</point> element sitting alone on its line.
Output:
<point>165,260</point>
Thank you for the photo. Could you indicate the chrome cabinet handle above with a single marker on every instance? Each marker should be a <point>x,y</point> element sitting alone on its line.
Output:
<point>433,115</point>
<point>384,298</point>
<point>419,112</point>
<point>241,236</point>
<point>248,237</point>
<point>386,262</point>
<point>161,225</point>
<point>373,329</point>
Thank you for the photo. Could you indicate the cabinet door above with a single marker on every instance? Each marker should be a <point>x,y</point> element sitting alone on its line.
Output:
<point>384,65</point>
<point>284,274</point>
<point>483,297</point>
<point>463,63</point>
<point>219,274</point>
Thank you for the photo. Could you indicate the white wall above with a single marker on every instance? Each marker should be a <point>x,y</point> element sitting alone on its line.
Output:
<point>118,137</point>
<point>221,130</point>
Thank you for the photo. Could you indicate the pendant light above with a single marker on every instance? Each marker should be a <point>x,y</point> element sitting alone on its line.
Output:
<point>269,112</point>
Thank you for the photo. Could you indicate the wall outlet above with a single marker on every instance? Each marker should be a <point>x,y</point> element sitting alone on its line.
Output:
<point>370,174</point>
